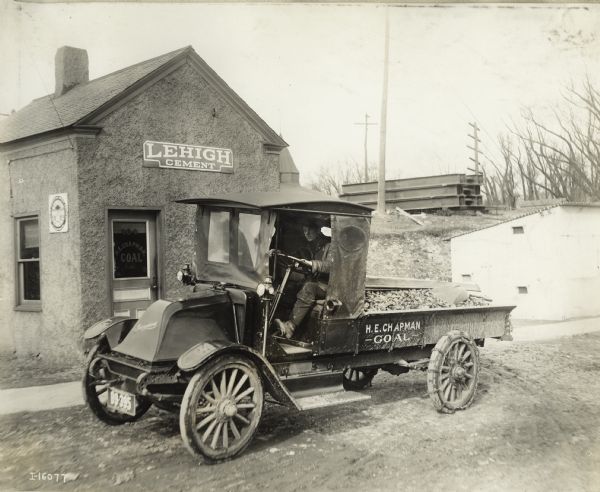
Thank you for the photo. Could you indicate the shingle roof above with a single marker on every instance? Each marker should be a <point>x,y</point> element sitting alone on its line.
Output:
<point>52,113</point>
<point>531,212</point>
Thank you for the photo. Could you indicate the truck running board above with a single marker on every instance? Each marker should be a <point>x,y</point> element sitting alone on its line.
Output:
<point>294,349</point>
<point>329,399</point>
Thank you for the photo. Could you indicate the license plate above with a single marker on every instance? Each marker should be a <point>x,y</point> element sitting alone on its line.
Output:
<point>121,401</point>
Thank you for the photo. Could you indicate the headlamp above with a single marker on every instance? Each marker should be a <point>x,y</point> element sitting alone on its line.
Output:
<point>185,275</point>
<point>265,286</point>
<point>269,285</point>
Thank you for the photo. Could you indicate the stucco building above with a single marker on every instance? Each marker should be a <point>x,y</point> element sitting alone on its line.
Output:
<point>546,262</point>
<point>89,176</point>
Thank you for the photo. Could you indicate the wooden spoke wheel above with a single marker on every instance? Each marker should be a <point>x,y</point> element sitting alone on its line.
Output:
<point>356,378</point>
<point>453,372</point>
<point>96,381</point>
<point>221,408</point>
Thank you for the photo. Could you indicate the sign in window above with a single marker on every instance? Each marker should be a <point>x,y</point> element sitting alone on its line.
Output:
<point>130,246</point>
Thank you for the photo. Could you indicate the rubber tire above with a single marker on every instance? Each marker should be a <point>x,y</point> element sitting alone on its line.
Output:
<point>362,383</point>
<point>187,419</point>
<point>98,409</point>
<point>438,356</point>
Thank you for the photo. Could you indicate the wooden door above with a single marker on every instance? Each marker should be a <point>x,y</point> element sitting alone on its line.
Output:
<point>134,261</point>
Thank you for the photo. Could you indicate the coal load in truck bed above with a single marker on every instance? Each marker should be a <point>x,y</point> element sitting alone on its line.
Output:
<point>403,299</point>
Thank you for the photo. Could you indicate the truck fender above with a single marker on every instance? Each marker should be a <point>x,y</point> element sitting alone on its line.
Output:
<point>115,329</point>
<point>200,354</point>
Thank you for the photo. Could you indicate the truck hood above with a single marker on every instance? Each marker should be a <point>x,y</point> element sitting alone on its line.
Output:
<point>169,328</point>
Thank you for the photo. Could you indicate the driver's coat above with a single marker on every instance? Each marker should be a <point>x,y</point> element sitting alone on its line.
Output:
<point>316,288</point>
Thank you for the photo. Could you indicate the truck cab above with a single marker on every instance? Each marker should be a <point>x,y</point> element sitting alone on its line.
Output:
<point>251,241</point>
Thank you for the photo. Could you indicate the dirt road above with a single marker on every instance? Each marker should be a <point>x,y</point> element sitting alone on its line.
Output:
<point>533,426</point>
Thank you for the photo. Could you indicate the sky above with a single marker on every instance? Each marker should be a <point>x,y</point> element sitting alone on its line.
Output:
<point>312,71</point>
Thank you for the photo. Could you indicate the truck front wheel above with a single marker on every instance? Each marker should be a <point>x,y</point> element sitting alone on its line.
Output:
<point>453,372</point>
<point>221,408</point>
<point>96,381</point>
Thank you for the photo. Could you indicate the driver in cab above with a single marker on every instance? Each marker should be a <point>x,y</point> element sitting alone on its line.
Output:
<point>319,262</point>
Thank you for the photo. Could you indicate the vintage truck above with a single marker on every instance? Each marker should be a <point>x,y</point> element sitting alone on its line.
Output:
<point>213,355</point>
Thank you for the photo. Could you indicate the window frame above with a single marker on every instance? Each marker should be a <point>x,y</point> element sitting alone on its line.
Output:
<point>236,233</point>
<point>229,240</point>
<point>233,251</point>
<point>22,304</point>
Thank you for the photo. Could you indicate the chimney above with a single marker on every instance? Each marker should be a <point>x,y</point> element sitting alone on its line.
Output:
<point>71,68</point>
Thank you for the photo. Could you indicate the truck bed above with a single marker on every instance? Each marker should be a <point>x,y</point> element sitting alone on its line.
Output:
<point>389,330</point>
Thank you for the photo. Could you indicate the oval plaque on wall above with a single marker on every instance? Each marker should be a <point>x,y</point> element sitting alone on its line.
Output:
<point>58,212</point>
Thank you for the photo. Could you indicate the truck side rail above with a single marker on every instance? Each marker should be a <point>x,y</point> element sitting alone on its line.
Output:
<point>385,283</point>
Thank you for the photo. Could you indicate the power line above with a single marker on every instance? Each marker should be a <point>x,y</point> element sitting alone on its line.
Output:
<point>366,124</point>
<point>490,137</point>
<point>475,147</point>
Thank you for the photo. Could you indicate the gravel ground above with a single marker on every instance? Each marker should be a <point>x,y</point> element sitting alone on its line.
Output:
<point>34,371</point>
<point>533,426</point>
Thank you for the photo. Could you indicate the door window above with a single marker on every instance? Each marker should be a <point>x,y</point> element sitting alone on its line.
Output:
<point>130,243</point>
<point>248,231</point>
<point>218,237</point>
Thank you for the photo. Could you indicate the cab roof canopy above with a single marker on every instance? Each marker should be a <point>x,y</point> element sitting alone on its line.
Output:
<point>293,198</point>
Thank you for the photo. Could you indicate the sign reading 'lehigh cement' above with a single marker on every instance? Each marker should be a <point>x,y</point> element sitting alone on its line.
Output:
<point>187,157</point>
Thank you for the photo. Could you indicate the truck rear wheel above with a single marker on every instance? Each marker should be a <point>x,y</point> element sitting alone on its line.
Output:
<point>221,408</point>
<point>453,372</point>
<point>356,378</point>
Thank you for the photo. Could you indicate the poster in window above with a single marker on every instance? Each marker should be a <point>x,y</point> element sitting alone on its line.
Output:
<point>58,213</point>
<point>130,243</point>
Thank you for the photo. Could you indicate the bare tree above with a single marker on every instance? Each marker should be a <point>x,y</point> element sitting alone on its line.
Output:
<point>330,178</point>
<point>490,190</point>
<point>558,159</point>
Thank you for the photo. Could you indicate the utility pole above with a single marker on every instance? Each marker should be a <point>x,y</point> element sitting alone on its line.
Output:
<point>475,147</point>
<point>366,125</point>
<point>383,127</point>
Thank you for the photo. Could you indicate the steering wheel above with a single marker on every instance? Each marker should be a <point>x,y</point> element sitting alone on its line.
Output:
<point>298,264</point>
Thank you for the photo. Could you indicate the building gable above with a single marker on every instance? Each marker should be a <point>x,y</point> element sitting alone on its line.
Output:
<point>527,216</point>
<point>85,104</point>
<point>189,56</point>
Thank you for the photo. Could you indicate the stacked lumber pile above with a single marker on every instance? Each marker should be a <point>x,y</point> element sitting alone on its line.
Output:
<point>446,191</point>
